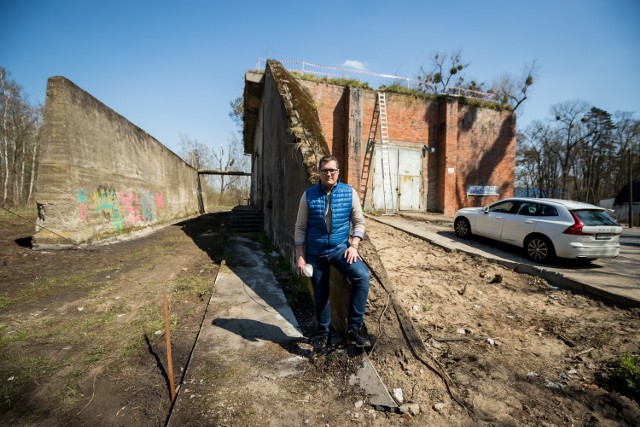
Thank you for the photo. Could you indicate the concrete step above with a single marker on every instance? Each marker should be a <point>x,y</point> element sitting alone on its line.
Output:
<point>246,219</point>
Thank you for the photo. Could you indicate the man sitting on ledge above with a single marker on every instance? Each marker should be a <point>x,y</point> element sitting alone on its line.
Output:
<point>325,215</point>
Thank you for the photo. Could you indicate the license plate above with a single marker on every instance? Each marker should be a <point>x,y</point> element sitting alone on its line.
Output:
<point>604,236</point>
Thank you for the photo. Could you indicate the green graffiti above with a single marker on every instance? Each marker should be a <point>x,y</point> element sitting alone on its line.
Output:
<point>82,196</point>
<point>121,207</point>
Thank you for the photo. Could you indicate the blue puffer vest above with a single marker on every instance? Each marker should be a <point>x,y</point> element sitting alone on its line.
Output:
<point>319,241</point>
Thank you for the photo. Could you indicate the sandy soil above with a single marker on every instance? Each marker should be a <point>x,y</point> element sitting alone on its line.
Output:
<point>518,351</point>
<point>80,340</point>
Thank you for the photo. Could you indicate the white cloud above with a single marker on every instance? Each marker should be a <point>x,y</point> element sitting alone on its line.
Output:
<point>352,63</point>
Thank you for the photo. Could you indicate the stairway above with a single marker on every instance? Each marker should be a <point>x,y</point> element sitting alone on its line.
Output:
<point>246,219</point>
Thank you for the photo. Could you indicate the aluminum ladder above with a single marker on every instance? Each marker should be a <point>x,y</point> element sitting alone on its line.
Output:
<point>384,153</point>
<point>368,154</point>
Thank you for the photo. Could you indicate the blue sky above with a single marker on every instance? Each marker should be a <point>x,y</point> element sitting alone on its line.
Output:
<point>173,67</point>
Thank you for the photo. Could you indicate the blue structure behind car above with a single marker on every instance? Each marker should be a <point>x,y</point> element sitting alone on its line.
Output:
<point>544,228</point>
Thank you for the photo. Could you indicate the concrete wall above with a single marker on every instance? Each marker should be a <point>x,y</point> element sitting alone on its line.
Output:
<point>287,144</point>
<point>101,176</point>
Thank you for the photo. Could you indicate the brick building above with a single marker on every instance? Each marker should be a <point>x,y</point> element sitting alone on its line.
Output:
<point>441,151</point>
<point>444,152</point>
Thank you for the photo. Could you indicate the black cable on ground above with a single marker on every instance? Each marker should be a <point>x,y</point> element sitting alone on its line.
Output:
<point>41,226</point>
<point>438,369</point>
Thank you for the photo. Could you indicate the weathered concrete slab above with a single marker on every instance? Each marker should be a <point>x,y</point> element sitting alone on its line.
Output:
<point>250,352</point>
<point>368,379</point>
<point>249,340</point>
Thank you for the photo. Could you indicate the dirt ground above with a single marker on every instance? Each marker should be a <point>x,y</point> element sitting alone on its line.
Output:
<point>81,337</point>
<point>82,331</point>
<point>518,351</point>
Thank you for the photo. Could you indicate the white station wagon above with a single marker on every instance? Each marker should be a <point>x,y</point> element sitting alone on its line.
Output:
<point>545,228</point>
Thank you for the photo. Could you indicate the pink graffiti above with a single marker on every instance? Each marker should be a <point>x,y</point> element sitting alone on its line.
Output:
<point>128,202</point>
<point>159,200</point>
<point>84,212</point>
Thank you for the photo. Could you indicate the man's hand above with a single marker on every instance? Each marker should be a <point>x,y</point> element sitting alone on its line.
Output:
<point>300,264</point>
<point>351,254</point>
<point>300,261</point>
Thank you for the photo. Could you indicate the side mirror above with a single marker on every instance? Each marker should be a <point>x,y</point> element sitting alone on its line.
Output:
<point>486,209</point>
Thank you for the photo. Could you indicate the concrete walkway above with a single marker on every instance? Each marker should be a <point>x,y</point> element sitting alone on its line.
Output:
<point>618,284</point>
<point>250,351</point>
<point>249,338</point>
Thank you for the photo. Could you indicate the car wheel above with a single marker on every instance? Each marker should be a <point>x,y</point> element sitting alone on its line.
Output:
<point>462,228</point>
<point>539,249</point>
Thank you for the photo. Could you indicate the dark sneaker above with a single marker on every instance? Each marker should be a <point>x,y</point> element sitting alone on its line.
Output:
<point>358,338</point>
<point>320,343</point>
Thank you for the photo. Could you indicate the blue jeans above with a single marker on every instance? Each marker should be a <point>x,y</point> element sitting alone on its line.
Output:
<point>358,276</point>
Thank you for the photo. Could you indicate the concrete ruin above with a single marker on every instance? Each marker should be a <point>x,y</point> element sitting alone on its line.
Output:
<point>445,152</point>
<point>101,177</point>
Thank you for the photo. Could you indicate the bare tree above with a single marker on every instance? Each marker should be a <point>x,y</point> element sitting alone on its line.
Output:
<point>514,90</point>
<point>625,135</point>
<point>570,119</point>
<point>582,153</point>
<point>237,111</point>
<point>225,188</point>
<point>19,144</point>
<point>194,153</point>
<point>5,132</point>
<point>536,162</point>
<point>445,71</point>
<point>231,159</point>
<point>35,154</point>
<point>447,74</point>
<point>592,156</point>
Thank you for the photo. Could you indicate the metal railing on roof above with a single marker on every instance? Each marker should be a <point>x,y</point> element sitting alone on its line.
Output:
<point>304,67</point>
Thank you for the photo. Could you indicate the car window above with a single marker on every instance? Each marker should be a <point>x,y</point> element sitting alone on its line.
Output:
<point>594,217</point>
<point>505,206</point>
<point>528,209</point>
<point>546,210</point>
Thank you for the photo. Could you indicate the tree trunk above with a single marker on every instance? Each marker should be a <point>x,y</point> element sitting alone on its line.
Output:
<point>23,160</point>
<point>5,137</point>
<point>32,179</point>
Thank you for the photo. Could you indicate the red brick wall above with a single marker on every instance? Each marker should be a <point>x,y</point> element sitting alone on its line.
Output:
<point>330,102</point>
<point>486,154</point>
<point>473,146</point>
<point>407,119</point>
<point>449,171</point>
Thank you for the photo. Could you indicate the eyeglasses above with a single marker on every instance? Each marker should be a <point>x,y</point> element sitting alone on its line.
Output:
<point>328,171</point>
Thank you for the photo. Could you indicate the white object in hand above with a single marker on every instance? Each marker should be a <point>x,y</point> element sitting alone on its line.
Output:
<point>307,270</point>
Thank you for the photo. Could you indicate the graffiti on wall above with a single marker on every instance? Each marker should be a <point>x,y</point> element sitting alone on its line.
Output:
<point>120,207</point>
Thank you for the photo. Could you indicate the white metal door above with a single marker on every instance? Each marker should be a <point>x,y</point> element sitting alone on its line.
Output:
<point>409,172</point>
<point>378,189</point>
<point>406,170</point>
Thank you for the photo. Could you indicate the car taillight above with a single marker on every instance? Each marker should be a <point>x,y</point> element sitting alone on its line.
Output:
<point>576,228</point>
